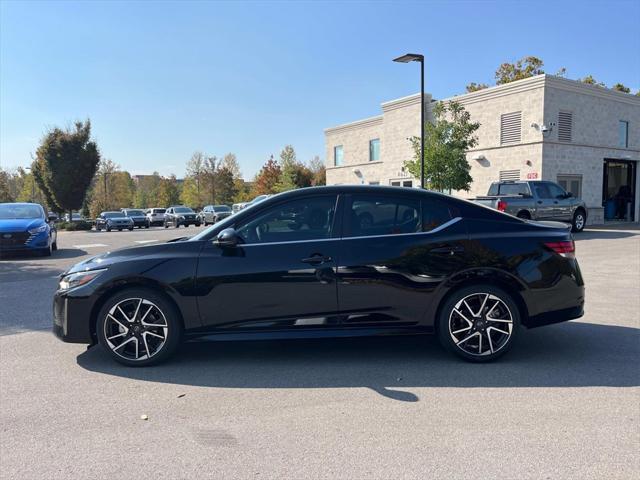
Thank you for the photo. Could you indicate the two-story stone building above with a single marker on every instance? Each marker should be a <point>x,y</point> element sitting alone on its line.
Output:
<point>586,138</point>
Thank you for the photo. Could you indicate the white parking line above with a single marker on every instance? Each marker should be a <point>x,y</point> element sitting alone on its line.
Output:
<point>146,241</point>
<point>91,245</point>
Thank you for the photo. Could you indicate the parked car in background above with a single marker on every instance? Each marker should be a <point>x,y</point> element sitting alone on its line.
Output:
<point>214,213</point>
<point>241,206</point>
<point>139,218</point>
<point>75,217</point>
<point>24,227</point>
<point>53,217</point>
<point>180,215</point>
<point>155,215</point>
<point>471,275</point>
<point>536,200</point>
<point>113,221</point>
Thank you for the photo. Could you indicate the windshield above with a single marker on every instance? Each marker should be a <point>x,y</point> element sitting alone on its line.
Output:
<point>15,210</point>
<point>138,213</point>
<point>159,210</point>
<point>183,210</point>
<point>111,214</point>
<point>221,208</point>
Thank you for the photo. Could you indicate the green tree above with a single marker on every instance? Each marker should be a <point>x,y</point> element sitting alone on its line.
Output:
<point>619,87</point>
<point>447,140</point>
<point>168,192</point>
<point>225,186</point>
<point>589,80</point>
<point>474,87</point>
<point>147,191</point>
<point>68,160</point>
<point>288,166</point>
<point>319,171</point>
<point>38,170</point>
<point>524,68</point>
<point>193,191</point>
<point>5,187</point>
<point>267,179</point>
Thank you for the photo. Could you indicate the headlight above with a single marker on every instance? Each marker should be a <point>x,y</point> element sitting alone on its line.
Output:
<point>39,229</point>
<point>79,278</point>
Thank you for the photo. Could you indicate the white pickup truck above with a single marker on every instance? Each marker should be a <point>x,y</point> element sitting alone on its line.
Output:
<point>536,200</point>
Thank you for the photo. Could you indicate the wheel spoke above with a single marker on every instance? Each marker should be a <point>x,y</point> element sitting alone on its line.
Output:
<point>468,307</point>
<point>492,308</point>
<point>462,330</point>
<point>480,344</point>
<point>497,330</point>
<point>118,322</point>
<point>124,314</point>
<point>135,314</point>
<point>146,313</point>
<point>132,339</point>
<point>117,336</point>
<point>463,317</point>
<point>490,342</point>
<point>484,302</point>
<point>154,335</point>
<point>467,338</point>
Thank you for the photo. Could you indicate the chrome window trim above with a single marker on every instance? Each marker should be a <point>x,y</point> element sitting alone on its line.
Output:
<point>435,230</point>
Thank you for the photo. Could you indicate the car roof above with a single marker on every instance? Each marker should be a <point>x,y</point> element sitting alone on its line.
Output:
<point>20,203</point>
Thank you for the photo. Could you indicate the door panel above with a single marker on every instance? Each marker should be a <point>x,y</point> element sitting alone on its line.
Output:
<point>545,206</point>
<point>282,271</point>
<point>257,285</point>
<point>388,279</point>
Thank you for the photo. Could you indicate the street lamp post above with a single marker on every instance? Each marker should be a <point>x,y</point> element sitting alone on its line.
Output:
<point>416,57</point>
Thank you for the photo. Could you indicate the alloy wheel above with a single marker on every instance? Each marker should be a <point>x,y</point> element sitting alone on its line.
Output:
<point>579,222</point>
<point>480,324</point>
<point>135,329</point>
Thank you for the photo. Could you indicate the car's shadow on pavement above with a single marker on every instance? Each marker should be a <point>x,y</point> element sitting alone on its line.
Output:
<point>572,354</point>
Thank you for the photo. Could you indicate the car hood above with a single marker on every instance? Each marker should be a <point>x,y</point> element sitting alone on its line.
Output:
<point>20,224</point>
<point>106,259</point>
<point>118,218</point>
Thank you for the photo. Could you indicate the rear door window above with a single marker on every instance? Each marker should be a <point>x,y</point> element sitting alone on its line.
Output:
<point>371,215</point>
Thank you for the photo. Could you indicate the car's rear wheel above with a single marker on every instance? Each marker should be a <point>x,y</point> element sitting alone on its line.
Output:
<point>524,215</point>
<point>139,327</point>
<point>479,323</point>
<point>579,221</point>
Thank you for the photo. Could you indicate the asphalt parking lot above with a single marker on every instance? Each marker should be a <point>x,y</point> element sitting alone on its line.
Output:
<point>565,402</point>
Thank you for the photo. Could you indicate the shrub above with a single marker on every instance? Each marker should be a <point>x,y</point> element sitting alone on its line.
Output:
<point>73,226</point>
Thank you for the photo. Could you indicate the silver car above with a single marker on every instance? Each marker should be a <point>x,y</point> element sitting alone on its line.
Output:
<point>155,215</point>
<point>214,213</point>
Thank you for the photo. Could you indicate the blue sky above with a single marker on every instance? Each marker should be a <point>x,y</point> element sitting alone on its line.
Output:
<point>160,80</point>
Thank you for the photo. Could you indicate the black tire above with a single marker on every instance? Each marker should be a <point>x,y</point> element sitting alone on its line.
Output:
<point>146,226</point>
<point>130,229</point>
<point>119,229</point>
<point>524,215</point>
<point>165,224</point>
<point>579,221</point>
<point>54,245</point>
<point>98,229</point>
<point>46,252</point>
<point>169,317</point>
<point>495,337</point>
<point>177,225</point>
<point>108,229</point>
<point>198,224</point>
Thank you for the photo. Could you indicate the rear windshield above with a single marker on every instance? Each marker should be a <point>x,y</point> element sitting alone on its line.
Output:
<point>159,210</point>
<point>111,214</point>
<point>183,210</point>
<point>221,208</point>
<point>509,189</point>
<point>135,212</point>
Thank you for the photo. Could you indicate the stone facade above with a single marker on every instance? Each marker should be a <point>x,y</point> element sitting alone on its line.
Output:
<point>538,153</point>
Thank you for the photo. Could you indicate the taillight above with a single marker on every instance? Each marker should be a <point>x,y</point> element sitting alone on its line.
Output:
<point>565,248</point>
<point>502,205</point>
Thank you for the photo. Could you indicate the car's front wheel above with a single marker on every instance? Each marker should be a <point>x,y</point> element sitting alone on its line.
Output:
<point>139,327</point>
<point>579,221</point>
<point>479,323</point>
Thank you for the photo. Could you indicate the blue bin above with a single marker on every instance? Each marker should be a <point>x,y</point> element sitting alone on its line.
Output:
<point>610,210</point>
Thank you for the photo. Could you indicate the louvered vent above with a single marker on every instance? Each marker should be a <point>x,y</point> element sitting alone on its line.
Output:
<point>510,127</point>
<point>506,175</point>
<point>565,126</point>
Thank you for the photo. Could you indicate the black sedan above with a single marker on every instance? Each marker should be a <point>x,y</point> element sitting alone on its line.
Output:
<point>112,221</point>
<point>176,216</point>
<point>139,218</point>
<point>366,261</point>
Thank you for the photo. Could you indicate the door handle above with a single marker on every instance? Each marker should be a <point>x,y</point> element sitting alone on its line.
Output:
<point>316,259</point>
<point>451,249</point>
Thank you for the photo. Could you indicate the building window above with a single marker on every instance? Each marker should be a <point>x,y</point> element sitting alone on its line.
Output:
<point>374,150</point>
<point>510,128</point>
<point>565,126</point>
<point>402,183</point>
<point>374,183</point>
<point>623,134</point>
<point>338,155</point>
<point>571,183</point>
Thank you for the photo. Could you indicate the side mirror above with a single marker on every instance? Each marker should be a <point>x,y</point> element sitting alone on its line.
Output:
<point>227,238</point>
